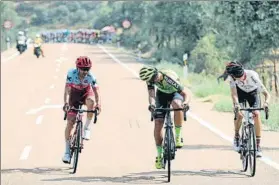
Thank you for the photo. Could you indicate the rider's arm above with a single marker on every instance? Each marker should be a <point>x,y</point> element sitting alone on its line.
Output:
<point>151,93</point>
<point>266,96</point>
<point>96,90</point>
<point>261,87</point>
<point>66,93</point>
<point>67,88</point>
<point>234,96</point>
<point>233,91</point>
<point>186,94</point>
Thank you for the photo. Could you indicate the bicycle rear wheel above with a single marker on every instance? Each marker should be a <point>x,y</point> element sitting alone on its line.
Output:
<point>252,150</point>
<point>77,147</point>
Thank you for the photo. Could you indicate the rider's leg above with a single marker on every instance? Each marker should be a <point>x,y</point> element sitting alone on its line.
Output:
<point>237,123</point>
<point>158,134</point>
<point>42,51</point>
<point>258,128</point>
<point>68,130</point>
<point>89,101</point>
<point>254,101</point>
<point>178,118</point>
<point>161,101</point>
<point>71,116</point>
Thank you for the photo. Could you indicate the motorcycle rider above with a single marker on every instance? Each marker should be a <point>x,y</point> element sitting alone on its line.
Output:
<point>21,39</point>
<point>39,42</point>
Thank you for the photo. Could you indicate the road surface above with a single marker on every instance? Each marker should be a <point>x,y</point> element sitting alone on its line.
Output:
<point>121,149</point>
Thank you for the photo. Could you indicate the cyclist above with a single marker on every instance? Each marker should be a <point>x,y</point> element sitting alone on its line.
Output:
<point>39,41</point>
<point>81,87</point>
<point>246,85</point>
<point>169,90</point>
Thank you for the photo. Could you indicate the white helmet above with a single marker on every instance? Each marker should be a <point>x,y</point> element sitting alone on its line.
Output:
<point>37,35</point>
<point>20,33</point>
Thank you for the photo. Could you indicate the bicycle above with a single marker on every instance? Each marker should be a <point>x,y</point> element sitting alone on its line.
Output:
<point>248,138</point>
<point>169,143</point>
<point>76,141</point>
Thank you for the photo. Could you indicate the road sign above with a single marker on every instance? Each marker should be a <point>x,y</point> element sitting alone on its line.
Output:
<point>126,24</point>
<point>8,24</point>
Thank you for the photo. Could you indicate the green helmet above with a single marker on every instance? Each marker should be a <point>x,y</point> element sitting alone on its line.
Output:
<point>147,72</point>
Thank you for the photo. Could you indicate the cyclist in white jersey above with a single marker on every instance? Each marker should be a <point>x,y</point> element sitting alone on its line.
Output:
<point>246,85</point>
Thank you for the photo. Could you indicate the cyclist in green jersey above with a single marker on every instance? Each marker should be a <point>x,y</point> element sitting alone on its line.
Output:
<point>169,90</point>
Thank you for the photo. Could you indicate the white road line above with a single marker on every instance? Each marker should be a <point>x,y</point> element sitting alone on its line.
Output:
<point>208,125</point>
<point>34,111</point>
<point>52,86</point>
<point>39,119</point>
<point>118,61</point>
<point>25,153</point>
<point>9,58</point>
<point>47,100</point>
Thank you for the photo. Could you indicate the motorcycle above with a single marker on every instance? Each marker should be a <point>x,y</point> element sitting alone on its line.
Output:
<point>21,46</point>
<point>37,50</point>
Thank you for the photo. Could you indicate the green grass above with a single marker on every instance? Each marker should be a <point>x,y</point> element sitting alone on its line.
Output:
<point>201,85</point>
<point>224,104</point>
<point>273,120</point>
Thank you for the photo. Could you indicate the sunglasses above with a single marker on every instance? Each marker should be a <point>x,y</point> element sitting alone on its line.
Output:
<point>84,68</point>
<point>152,80</point>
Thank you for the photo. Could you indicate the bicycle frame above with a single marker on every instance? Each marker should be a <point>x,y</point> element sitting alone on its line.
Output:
<point>169,142</point>
<point>76,139</point>
<point>248,138</point>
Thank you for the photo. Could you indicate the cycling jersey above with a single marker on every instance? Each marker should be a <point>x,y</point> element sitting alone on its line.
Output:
<point>38,41</point>
<point>74,81</point>
<point>251,82</point>
<point>170,83</point>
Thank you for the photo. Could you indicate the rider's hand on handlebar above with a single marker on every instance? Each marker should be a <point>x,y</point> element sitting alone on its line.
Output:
<point>151,107</point>
<point>98,106</point>
<point>185,105</point>
<point>236,107</point>
<point>265,105</point>
<point>66,107</point>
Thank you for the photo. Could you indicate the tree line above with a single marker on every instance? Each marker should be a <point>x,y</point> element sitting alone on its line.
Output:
<point>210,32</point>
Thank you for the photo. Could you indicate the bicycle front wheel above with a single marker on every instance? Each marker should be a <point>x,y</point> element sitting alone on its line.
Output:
<point>244,150</point>
<point>252,150</point>
<point>168,156</point>
<point>77,147</point>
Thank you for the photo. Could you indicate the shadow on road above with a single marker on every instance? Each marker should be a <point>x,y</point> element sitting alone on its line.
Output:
<point>154,177</point>
<point>219,147</point>
<point>39,170</point>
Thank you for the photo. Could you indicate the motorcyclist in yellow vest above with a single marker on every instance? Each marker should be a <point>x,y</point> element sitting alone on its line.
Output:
<point>39,42</point>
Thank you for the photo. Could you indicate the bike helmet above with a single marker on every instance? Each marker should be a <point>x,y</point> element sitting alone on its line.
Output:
<point>235,69</point>
<point>147,72</point>
<point>83,62</point>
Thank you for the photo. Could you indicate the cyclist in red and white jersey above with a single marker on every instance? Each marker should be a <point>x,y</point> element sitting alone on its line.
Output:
<point>81,88</point>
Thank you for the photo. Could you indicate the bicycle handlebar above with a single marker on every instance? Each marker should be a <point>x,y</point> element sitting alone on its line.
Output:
<point>185,109</point>
<point>81,111</point>
<point>253,109</point>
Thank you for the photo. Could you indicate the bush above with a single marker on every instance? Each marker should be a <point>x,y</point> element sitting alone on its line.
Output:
<point>273,120</point>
